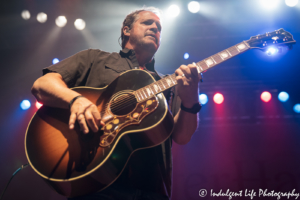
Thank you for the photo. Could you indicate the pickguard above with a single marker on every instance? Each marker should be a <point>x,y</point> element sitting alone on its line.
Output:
<point>113,126</point>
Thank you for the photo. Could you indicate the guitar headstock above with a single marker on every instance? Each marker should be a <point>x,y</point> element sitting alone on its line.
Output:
<point>273,39</point>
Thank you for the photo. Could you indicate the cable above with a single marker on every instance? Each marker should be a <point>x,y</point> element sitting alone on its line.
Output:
<point>22,167</point>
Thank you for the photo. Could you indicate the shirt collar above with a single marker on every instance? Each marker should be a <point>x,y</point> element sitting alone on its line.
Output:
<point>130,53</point>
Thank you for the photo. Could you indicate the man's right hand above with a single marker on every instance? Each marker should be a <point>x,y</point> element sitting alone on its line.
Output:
<point>87,115</point>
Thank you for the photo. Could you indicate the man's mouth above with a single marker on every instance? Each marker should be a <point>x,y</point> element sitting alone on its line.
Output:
<point>152,36</point>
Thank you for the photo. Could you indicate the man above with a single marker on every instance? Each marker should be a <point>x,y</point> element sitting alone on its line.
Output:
<point>140,35</point>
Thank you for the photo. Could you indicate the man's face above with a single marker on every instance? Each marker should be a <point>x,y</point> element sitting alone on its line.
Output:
<point>145,32</point>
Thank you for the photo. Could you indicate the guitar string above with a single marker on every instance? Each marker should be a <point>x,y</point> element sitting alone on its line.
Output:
<point>160,83</point>
<point>120,101</point>
<point>116,108</point>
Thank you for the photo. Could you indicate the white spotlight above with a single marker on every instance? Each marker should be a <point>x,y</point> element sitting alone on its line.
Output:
<point>79,24</point>
<point>61,21</point>
<point>41,17</point>
<point>291,3</point>
<point>194,6</point>
<point>269,4</point>
<point>25,14</point>
<point>173,11</point>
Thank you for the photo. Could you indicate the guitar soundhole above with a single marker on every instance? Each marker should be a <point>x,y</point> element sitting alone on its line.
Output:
<point>123,104</point>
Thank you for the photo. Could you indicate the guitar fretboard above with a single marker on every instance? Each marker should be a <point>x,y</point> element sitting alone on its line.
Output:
<point>170,81</point>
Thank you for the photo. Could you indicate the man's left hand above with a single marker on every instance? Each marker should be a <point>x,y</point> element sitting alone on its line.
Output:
<point>188,78</point>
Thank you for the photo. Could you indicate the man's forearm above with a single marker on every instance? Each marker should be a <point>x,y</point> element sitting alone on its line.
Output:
<point>185,125</point>
<point>51,90</point>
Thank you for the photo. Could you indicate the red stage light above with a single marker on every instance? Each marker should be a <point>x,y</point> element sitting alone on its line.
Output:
<point>38,105</point>
<point>266,96</point>
<point>218,98</point>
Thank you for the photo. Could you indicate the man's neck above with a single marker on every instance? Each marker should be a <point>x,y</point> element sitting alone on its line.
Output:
<point>143,57</point>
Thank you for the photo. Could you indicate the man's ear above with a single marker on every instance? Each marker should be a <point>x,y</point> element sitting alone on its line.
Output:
<point>126,31</point>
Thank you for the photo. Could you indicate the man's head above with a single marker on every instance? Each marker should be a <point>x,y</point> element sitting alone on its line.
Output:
<point>141,29</point>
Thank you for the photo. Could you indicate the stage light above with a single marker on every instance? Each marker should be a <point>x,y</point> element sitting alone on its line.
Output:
<point>283,96</point>
<point>79,24</point>
<point>194,6</point>
<point>25,104</point>
<point>291,3</point>
<point>269,4</point>
<point>55,60</point>
<point>297,108</point>
<point>266,96</point>
<point>41,17</point>
<point>186,56</point>
<point>272,51</point>
<point>173,11</point>
<point>61,21</point>
<point>38,105</point>
<point>218,98</point>
<point>25,14</point>
<point>203,99</point>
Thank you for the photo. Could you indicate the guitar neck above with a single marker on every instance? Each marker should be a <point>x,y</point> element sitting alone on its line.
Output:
<point>203,65</point>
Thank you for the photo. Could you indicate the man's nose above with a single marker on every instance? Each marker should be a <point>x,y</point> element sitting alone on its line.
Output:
<point>154,28</point>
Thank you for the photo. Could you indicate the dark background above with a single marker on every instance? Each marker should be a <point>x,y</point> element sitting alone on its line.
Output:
<point>241,144</point>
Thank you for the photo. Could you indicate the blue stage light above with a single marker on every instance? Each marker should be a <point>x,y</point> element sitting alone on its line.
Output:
<point>194,6</point>
<point>291,3</point>
<point>283,96</point>
<point>203,99</point>
<point>173,11</point>
<point>186,56</point>
<point>55,60</point>
<point>269,4</point>
<point>297,108</point>
<point>272,51</point>
<point>25,104</point>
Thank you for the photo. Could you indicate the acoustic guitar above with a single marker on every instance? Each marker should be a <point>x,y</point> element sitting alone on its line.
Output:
<point>136,116</point>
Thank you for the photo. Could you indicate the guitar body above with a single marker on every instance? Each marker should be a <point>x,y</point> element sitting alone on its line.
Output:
<point>76,164</point>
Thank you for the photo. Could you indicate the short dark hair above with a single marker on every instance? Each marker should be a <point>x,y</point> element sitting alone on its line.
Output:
<point>132,17</point>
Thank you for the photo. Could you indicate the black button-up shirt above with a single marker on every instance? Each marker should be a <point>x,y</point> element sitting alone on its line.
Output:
<point>96,68</point>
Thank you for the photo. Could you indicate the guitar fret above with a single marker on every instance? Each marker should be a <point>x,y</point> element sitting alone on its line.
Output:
<point>199,67</point>
<point>213,60</point>
<point>141,93</point>
<point>233,51</point>
<point>148,91</point>
<point>237,49</point>
<point>225,55</point>
<point>144,93</point>
<point>203,65</point>
<point>217,58</point>
<point>209,62</point>
<point>228,52</point>
<point>159,86</point>
<point>172,81</point>
<point>168,81</point>
<point>162,82</point>
<point>149,88</point>
<point>156,88</point>
<point>139,98</point>
<point>242,46</point>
